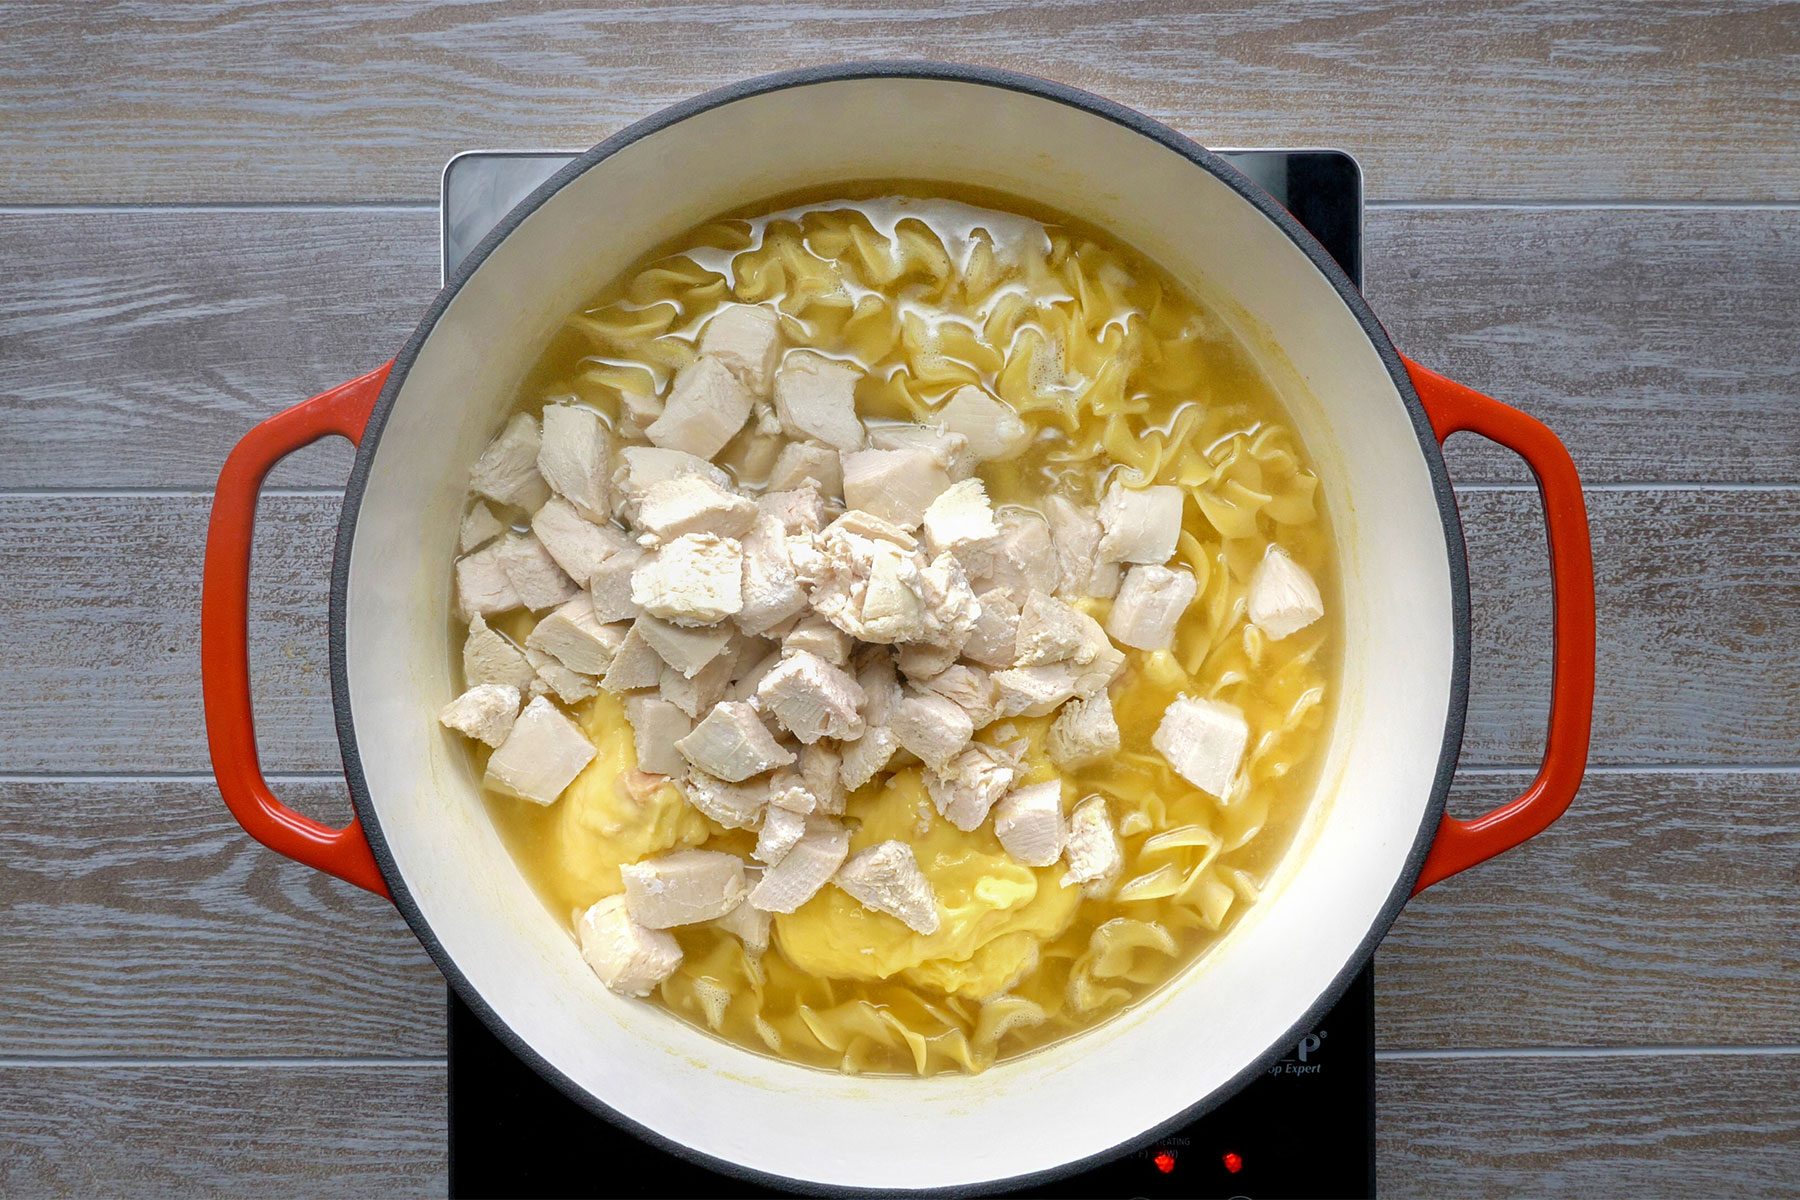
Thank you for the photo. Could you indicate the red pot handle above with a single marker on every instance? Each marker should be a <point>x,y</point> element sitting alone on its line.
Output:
<point>225,634</point>
<point>1461,844</point>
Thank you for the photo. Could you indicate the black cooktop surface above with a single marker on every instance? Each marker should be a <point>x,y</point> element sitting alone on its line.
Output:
<point>1305,1128</point>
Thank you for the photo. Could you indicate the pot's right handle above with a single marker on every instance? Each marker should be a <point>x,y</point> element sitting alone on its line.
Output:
<point>225,634</point>
<point>1461,844</point>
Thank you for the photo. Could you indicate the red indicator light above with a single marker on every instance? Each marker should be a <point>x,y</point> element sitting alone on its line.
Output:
<point>1233,1163</point>
<point>1165,1162</point>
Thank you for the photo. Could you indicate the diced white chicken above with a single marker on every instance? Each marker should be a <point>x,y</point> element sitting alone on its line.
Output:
<point>947,603</point>
<point>970,688</point>
<point>573,636</point>
<point>746,922</point>
<point>1204,741</point>
<point>1023,559</point>
<point>609,587</point>
<point>886,878</point>
<point>635,665</point>
<point>812,699</point>
<point>803,464</point>
<point>867,525</point>
<point>788,789</point>
<point>641,467</point>
<point>693,504</point>
<point>992,428</point>
<point>629,958</point>
<point>931,727</point>
<point>697,693</point>
<point>896,485</point>
<point>534,575</point>
<point>697,579</point>
<point>1283,597</point>
<point>656,725</point>
<point>541,755</point>
<point>1139,525</point>
<point>970,784</point>
<point>1098,662</point>
<point>479,527</point>
<point>864,758</point>
<point>732,744</point>
<point>819,768</point>
<point>1084,732</point>
<point>961,522</point>
<point>1150,604</point>
<point>799,510</point>
<point>1036,691</point>
<point>578,545</point>
<point>507,470</point>
<point>771,590</point>
<point>867,588</point>
<point>804,869</point>
<point>781,831</point>
<point>815,398</point>
<point>951,449</point>
<point>745,685</point>
<point>1050,631</point>
<point>554,679</point>
<point>813,634</point>
<point>485,712</point>
<point>705,409</point>
<point>1092,848</point>
<point>482,584</point>
<point>1075,535</point>
<point>682,888</point>
<point>575,459</point>
<point>1029,823</point>
<point>733,805</point>
<point>747,339</point>
<point>638,409</point>
<point>686,649</point>
<point>881,687</point>
<point>994,638</point>
<point>489,656</point>
<point>919,661</point>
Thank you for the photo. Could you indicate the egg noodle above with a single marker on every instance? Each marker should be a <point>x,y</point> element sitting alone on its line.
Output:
<point>1116,369</point>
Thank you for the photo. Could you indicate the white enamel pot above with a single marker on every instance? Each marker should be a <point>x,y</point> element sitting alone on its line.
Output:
<point>1371,420</point>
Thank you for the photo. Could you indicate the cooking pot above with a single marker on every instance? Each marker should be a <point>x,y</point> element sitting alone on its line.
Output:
<point>1371,419</point>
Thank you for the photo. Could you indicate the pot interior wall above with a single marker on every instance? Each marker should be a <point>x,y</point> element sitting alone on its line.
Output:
<point>1075,1099</point>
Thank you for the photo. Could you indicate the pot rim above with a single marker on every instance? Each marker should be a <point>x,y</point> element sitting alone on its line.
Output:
<point>924,69</point>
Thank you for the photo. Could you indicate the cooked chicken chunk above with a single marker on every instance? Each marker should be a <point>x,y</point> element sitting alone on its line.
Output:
<point>706,407</point>
<point>864,758</point>
<point>696,694</point>
<point>629,959</point>
<point>799,510</point>
<point>931,727</point>
<point>491,657</point>
<point>534,575</point>
<point>686,649</point>
<point>733,805</point>
<point>479,527</point>
<point>1150,604</point>
<point>1075,534</point>
<point>815,635</point>
<point>638,409</point>
<point>507,470</point>
<point>482,585</point>
<point>815,398</point>
<point>896,485</point>
<point>1050,631</point>
<point>801,464</point>
<point>749,924</point>
<point>554,679</point>
<point>1024,559</point>
<point>970,688</point>
<point>635,665</point>
<point>1092,848</point>
<point>951,449</point>
<point>994,638</point>
<point>1204,741</point>
<point>656,725</point>
<point>746,338</point>
<point>886,878</point>
<point>771,590</point>
<point>1084,732</point>
<point>961,522</point>
<point>1036,691</point>
<point>540,757</point>
<point>609,587</point>
<point>682,888</point>
<point>732,744</point>
<point>781,831</point>
<point>920,661</point>
<point>1283,597</point>
<point>812,699</point>
<point>1139,525</point>
<point>574,637</point>
<point>1029,823</point>
<point>819,767</point>
<point>577,544</point>
<point>789,789</point>
<point>803,870</point>
<point>641,467</point>
<point>485,712</point>
<point>575,459</point>
<point>693,504</point>
<point>697,579</point>
<point>992,428</point>
<point>970,784</point>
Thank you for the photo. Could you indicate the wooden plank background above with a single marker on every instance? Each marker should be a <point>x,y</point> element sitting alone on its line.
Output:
<point>208,211</point>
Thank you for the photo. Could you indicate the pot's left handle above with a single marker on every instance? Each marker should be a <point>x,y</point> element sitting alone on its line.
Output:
<point>225,634</point>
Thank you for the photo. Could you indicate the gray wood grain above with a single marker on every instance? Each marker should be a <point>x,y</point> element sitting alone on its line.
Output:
<point>137,347</point>
<point>234,100</point>
<point>1699,629</point>
<point>1623,1127</point>
<point>1659,911</point>
<point>141,921</point>
<point>310,1129</point>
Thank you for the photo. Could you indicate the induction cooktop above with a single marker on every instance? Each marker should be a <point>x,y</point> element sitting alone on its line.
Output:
<point>1304,1128</point>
